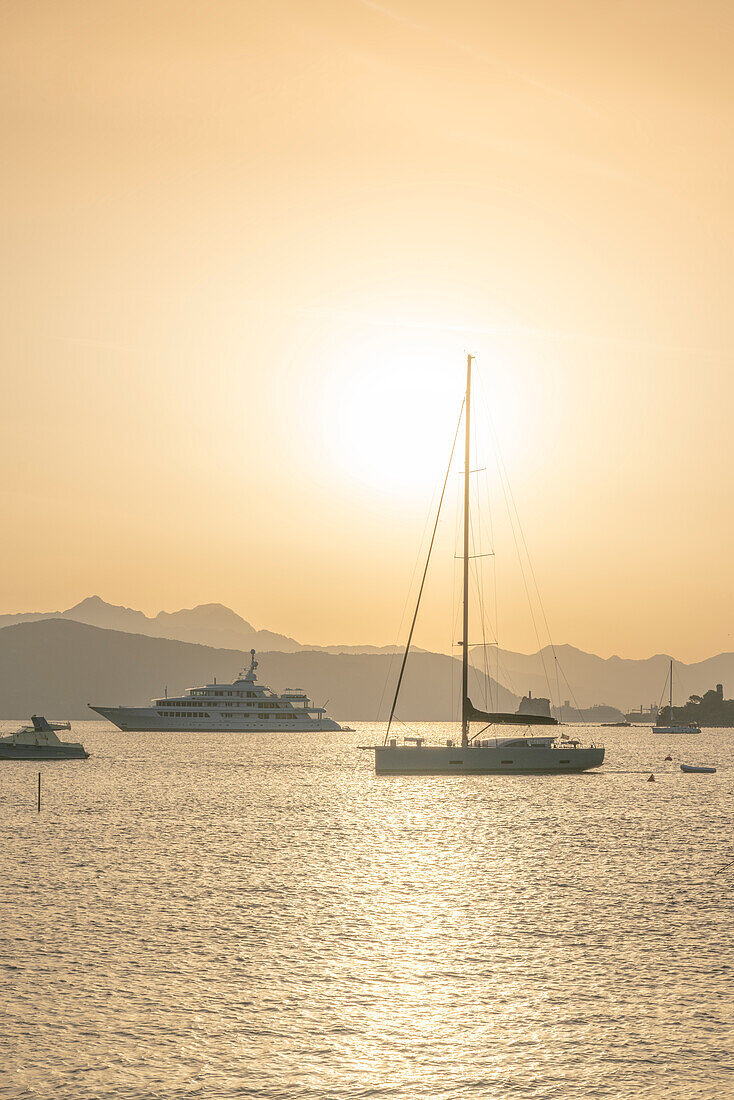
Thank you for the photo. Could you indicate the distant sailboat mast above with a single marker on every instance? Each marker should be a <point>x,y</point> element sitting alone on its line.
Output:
<point>465,622</point>
<point>670,720</point>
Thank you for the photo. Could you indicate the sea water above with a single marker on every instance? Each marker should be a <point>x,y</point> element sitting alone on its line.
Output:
<point>238,915</point>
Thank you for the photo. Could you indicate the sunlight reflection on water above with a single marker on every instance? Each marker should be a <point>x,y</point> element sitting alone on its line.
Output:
<point>230,915</point>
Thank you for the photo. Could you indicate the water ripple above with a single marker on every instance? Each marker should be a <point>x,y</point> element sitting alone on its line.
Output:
<point>237,916</point>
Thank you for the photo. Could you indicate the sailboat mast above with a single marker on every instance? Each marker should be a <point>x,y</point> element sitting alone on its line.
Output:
<point>670,722</point>
<point>465,622</point>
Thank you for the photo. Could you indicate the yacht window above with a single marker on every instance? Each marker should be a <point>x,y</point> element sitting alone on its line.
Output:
<point>506,761</point>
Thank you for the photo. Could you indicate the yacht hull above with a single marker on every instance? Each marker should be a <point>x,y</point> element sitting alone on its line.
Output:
<point>29,752</point>
<point>484,760</point>
<point>675,729</point>
<point>147,720</point>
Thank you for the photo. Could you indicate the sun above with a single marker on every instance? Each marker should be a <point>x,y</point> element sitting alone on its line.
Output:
<point>395,407</point>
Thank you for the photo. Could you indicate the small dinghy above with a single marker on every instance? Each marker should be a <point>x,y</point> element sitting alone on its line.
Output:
<point>39,742</point>
<point>692,768</point>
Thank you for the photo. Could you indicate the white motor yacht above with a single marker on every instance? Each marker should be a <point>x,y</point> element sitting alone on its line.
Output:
<point>244,705</point>
<point>39,742</point>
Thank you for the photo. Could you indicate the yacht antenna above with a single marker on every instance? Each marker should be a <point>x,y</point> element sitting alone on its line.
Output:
<point>465,622</point>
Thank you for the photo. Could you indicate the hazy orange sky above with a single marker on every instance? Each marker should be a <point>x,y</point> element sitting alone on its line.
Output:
<point>246,246</point>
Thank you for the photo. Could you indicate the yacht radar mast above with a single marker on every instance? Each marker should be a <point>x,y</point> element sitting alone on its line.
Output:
<point>250,674</point>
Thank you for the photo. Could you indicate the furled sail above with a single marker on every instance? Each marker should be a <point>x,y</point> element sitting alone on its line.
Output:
<point>471,714</point>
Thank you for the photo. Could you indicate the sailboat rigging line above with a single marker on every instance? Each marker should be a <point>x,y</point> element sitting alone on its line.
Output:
<point>494,584</point>
<point>478,577</point>
<point>482,617</point>
<point>455,602</point>
<point>479,574</point>
<point>535,584</point>
<point>425,573</point>
<point>515,526</point>
<point>570,690</point>
<point>395,649</point>
<point>663,692</point>
<point>513,522</point>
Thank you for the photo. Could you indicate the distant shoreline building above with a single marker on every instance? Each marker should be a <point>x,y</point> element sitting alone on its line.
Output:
<point>642,716</point>
<point>594,716</point>
<point>600,714</point>
<point>538,706</point>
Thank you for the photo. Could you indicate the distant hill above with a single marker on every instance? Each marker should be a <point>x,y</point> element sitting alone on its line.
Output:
<point>582,678</point>
<point>56,666</point>
<point>594,716</point>
<point>389,649</point>
<point>623,683</point>
<point>210,624</point>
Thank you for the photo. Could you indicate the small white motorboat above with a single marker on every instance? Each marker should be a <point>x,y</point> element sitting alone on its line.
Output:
<point>39,742</point>
<point>693,768</point>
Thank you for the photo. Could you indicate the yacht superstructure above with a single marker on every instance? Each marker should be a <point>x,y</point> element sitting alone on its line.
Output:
<point>242,705</point>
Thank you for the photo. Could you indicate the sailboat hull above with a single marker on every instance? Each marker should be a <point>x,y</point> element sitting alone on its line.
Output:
<point>485,759</point>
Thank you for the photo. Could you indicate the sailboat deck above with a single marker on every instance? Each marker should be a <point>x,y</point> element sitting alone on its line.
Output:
<point>495,756</point>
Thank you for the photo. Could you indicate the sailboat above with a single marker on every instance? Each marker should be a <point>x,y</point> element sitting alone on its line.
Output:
<point>675,727</point>
<point>476,754</point>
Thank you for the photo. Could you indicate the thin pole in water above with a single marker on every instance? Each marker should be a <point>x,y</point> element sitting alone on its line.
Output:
<point>39,792</point>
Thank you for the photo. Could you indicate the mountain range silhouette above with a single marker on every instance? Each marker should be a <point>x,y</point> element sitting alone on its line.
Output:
<point>585,679</point>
